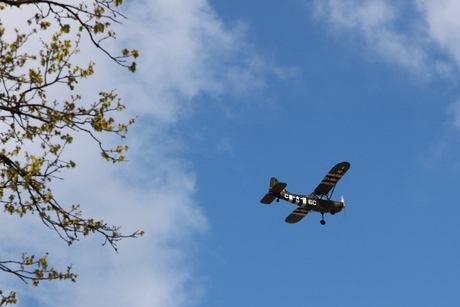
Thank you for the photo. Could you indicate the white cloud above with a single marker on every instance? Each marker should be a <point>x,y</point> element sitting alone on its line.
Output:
<point>443,25</point>
<point>376,21</point>
<point>186,51</point>
<point>427,45</point>
<point>364,15</point>
<point>424,41</point>
<point>455,110</point>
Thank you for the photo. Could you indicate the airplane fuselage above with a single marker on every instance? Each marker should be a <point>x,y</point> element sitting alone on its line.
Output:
<point>312,203</point>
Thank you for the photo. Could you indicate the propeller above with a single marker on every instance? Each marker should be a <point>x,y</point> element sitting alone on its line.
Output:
<point>342,199</point>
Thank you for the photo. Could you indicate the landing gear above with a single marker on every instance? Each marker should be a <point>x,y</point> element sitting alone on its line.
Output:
<point>277,200</point>
<point>323,222</point>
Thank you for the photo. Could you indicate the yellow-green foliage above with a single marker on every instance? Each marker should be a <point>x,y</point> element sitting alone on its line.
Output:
<point>35,129</point>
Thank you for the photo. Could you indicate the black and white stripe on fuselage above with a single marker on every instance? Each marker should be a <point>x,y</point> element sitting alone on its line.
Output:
<point>315,204</point>
<point>299,200</point>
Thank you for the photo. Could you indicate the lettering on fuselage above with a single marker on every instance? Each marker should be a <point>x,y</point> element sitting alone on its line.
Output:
<point>301,201</point>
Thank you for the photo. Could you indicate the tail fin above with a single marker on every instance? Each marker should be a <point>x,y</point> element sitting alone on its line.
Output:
<point>273,181</point>
<point>276,186</point>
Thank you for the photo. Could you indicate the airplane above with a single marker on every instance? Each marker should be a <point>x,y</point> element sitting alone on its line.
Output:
<point>319,200</point>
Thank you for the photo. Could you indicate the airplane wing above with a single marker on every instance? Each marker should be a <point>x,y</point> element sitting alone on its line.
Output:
<point>296,215</point>
<point>332,178</point>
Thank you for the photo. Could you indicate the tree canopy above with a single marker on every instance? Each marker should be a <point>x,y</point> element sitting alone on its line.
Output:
<point>36,128</point>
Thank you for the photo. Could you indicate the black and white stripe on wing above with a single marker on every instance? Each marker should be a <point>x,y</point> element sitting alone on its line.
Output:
<point>331,179</point>
<point>297,215</point>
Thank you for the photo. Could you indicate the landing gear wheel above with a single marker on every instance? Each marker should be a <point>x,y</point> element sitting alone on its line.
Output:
<point>323,222</point>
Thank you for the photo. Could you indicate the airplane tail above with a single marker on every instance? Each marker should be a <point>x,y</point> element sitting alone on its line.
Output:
<point>275,188</point>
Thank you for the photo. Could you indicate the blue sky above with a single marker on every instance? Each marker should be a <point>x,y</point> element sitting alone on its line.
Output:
<point>345,100</point>
<point>232,93</point>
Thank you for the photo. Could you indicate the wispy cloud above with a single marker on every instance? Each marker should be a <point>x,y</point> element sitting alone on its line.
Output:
<point>186,52</point>
<point>443,30</point>
<point>422,37</point>
<point>376,21</point>
<point>455,109</point>
<point>442,25</point>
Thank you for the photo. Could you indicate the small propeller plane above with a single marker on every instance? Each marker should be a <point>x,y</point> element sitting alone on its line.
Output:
<point>318,201</point>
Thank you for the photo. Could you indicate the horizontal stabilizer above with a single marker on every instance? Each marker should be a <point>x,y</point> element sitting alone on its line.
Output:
<point>296,215</point>
<point>268,199</point>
